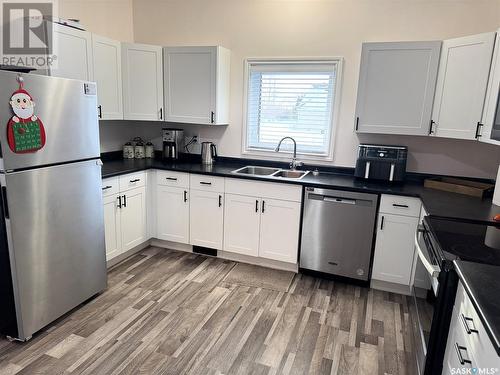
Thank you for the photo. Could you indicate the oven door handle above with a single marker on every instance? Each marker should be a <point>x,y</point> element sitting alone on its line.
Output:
<point>432,269</point>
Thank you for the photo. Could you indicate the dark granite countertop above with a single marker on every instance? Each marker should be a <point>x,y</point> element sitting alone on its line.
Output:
<point>437,203</point>
<point>482,281</point>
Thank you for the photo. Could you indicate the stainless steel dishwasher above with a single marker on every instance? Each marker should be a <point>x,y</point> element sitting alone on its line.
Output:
<point>337,232</point>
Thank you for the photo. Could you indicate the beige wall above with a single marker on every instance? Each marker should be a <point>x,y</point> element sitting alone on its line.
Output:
<point>267,28</point>
<point>110,18</point>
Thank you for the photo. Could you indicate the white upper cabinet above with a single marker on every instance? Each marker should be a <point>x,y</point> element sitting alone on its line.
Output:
<point>396,87</point>
<point>492,96</point>
<point>197,85</point>
<point>108,75</point>
<point>142,73</point>
<point>461,86</point>
<point>73,49</point>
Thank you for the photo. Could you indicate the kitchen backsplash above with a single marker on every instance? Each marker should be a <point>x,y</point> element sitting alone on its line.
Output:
<point>426,154</point>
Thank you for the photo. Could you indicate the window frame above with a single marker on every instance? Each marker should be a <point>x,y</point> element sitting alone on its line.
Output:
<point>285,154</point>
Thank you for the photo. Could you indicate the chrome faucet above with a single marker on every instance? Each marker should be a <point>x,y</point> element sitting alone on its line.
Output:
<point>294,163</point>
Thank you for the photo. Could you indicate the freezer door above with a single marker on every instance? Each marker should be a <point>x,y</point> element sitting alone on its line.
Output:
<point>55,231</point>
<point>68,111</point>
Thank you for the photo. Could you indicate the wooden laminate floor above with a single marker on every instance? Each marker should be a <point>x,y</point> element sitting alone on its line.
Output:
<point>170,312</point>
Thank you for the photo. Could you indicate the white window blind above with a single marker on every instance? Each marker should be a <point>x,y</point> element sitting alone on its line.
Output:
<point>295,99</point>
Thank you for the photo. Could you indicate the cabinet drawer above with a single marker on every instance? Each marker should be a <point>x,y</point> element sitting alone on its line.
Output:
<point>398,205</point>
<point>474,332</point>
<point>271,190</point>
<point>110,186</point>
<point>169,178</point>
<point>206,183</point>
<point>132,180</point>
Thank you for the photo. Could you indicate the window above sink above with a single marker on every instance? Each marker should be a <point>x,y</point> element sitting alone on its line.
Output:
<point>293,97</point>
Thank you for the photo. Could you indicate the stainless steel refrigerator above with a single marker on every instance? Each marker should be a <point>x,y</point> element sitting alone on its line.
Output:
<point>52,252</point>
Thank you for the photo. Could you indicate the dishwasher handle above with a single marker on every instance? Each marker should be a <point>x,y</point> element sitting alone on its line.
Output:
<point>339,200</point>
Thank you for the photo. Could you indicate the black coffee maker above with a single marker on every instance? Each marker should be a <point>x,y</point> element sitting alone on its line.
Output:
<point>381,162</point>
<point>172,143</point>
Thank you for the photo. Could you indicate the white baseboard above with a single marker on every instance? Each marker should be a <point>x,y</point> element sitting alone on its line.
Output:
<point>171,245</point>
<point>390,287</point>
<point>110,263</point>
<point>230,256</point>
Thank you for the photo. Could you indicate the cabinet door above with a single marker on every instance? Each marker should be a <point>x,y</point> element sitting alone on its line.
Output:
<point>142,72</point>
<point>279,230</point>
<point>172,214</point>
<point>242,224</point>
<point>461,85</point>
<point>394,248</point>
<point>396,87</point>
<point>458,349</point>
<point>73,49</point>
<point>492,101</point>
<point>133,218</point>
<point>112,226</point>
<point>108,75</point>
<point>206,219</point>
<point>190,84</point>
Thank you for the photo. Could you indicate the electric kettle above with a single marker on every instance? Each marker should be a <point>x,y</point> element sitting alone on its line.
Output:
<point>208,153</point>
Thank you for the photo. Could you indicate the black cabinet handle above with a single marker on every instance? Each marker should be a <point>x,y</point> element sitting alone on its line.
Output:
<point>161,113</point>
<point>477,130</point>
<point>136,180</point>
<point>185,196</point>
<point>212,117</point>
<point>400,205</point>
<point>465,321</point>
<point>263,206</point>
<point>205,183</point>
<point>171,178</point>
<point>107,187</point>
<point>431,126</point>
<point>220,200</point>
<point>382,223</point>
<point>461,359</point>
<point>5,203</point>
<point>99,107</point>
<point>120,201</point>
<point>357,123</point>
<point>124,200</point>
<point>256,205</point>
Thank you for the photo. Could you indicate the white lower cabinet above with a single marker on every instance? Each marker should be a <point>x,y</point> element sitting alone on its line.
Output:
<point>395,247</point>
<point>125,216</point>
<point>468,345</point>
<point>133,218</point>
<point>206,222</point>
<point>242,224</point>
<point>260,224</point>
<point>112,226</point>
<point>279,230</point>
<point>172,213</point>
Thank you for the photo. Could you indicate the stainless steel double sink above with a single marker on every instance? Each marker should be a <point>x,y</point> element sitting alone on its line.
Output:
<point>251,170</point>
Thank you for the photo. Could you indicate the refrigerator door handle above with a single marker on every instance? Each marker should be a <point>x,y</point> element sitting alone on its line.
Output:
<point>5,203</point>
